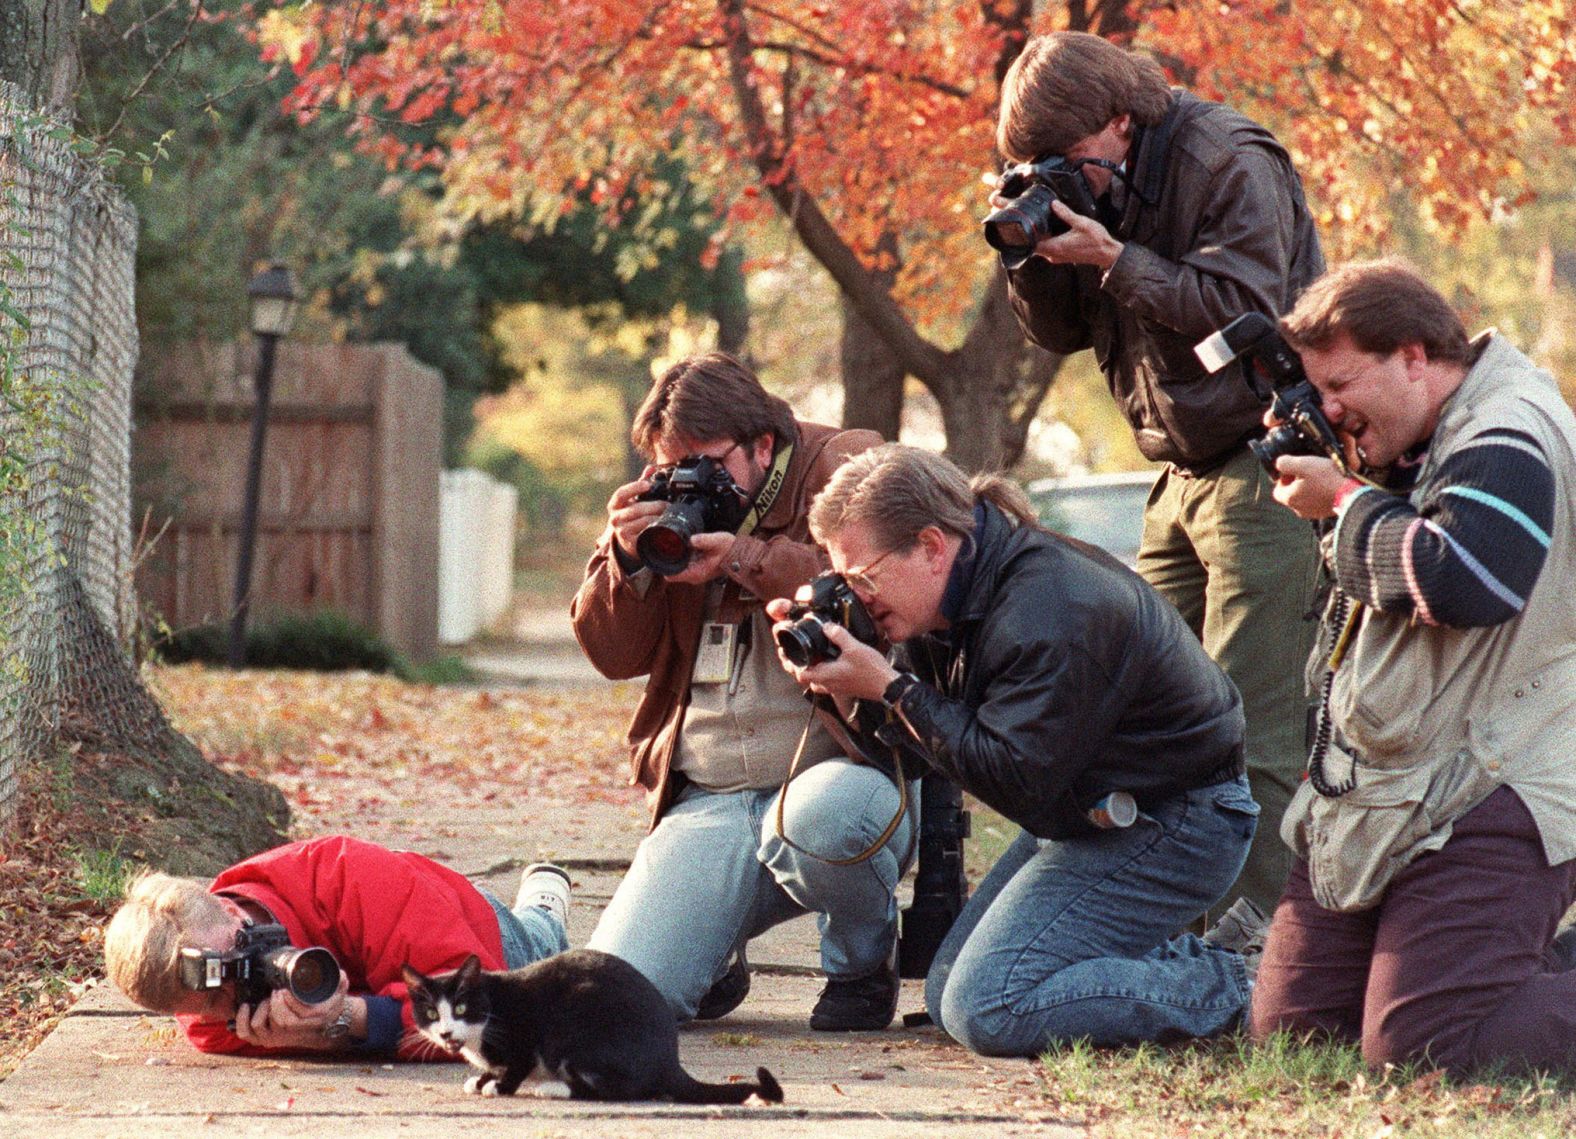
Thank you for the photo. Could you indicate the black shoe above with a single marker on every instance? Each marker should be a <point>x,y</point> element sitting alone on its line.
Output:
<point>727,992</point>
<point>857,1004</point>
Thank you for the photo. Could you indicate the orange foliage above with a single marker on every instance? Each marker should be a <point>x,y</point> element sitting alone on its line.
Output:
<point>884,111</point>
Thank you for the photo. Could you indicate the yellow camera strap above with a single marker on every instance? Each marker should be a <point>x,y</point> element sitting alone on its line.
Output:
<point>776,478</point>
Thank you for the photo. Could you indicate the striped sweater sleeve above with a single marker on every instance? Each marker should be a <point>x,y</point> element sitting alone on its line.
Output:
<point>1467,554</point>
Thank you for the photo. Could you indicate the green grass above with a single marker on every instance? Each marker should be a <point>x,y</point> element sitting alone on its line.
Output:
<point>103,874</point>
<point>1229,1089</point>
<point>444,670</point>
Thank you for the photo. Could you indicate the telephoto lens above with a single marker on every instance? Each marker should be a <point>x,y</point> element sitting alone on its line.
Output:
<point>311,975</point>
<point>664,546</point>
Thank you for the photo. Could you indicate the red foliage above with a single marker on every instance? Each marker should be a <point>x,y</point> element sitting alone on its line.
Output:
<point>884,112</point>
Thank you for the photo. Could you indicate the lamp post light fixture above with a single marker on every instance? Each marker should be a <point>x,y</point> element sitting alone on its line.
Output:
<point>274,301</point>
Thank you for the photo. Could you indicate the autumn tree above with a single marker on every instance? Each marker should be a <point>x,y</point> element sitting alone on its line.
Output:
<point>868,127</point>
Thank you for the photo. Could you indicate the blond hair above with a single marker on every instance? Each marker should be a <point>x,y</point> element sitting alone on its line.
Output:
<point>895,491</point>
<point>1066,86</point>
<point>142,945</point>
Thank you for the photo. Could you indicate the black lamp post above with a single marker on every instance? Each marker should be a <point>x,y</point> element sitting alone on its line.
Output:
<point>273,304</point>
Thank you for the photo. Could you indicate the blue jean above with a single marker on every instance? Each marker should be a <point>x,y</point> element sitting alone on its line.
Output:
<point>714,874</point>
<point>1066,939</point>
<point>529,933</point>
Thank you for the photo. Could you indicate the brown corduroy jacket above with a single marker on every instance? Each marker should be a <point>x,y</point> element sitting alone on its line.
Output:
<point>626,634</point>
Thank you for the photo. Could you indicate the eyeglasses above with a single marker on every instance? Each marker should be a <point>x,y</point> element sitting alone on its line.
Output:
<point>860,579</point>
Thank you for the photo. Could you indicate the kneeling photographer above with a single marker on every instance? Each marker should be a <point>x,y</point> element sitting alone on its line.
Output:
<point>675,591</point>
<point>1050,681</point>
<point>299,949</point>
<point>1436,833</point>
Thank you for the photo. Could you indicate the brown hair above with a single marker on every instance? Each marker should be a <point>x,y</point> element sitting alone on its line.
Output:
<point>708,397</point>
<point>897,490</point>
<point>1382,305</point>
<point>1066,86</point>
<point>142,945</point>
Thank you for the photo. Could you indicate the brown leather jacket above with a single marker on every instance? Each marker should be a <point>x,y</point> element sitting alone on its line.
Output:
<point>1214,225</point>
<point>625,634</point>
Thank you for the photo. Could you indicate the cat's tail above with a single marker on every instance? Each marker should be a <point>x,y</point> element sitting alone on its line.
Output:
<point>687,1089</point>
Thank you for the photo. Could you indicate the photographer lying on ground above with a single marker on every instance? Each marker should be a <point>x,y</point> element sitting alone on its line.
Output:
<point>1436,833</point>
<point>675,592</point>
<point>1045,676</point>
<point>372,908</point>
<point>1195,217</point>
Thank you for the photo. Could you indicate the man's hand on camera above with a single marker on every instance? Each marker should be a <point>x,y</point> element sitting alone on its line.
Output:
<point>627,516</point>
<point>1308,485</point>
<point>285,1021</point>
<point>1086,241</point>
<point>707,553</point>
<point>860,672</point>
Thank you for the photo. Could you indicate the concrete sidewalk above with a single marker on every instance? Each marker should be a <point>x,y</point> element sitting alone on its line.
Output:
<point>109,1069</point>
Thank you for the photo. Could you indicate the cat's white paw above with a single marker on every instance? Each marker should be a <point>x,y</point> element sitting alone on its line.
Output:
<point>476,1086</point>
<point>490,1089</point>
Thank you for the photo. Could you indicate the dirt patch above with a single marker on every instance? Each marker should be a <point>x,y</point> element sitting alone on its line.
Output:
<point>86,816</point>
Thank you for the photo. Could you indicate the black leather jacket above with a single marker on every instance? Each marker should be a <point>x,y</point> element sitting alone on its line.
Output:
<point>1215,225</point>
<point>1063,677</point>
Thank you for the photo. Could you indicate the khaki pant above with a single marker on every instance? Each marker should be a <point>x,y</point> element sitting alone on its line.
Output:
<point>1242,570</point>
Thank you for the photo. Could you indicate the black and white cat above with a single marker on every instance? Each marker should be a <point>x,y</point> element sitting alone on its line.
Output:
<point>587,1018</point>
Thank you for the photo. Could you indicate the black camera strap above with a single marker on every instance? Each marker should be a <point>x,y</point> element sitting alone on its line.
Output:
<point>850,745</point>
<point>1346,614</point>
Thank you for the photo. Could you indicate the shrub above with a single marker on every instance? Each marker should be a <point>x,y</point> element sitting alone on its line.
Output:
<point>323,640</point>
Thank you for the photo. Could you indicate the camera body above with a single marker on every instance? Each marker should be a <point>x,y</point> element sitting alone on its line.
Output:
<point>827,599</point>
<point>701,497</point>
<point>261,961</point>
<point>1016,228</point>
<point>1292,398</point>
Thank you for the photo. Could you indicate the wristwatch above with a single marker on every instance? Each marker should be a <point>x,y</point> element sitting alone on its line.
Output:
<point>898,688</point>
<point>340,1028</point>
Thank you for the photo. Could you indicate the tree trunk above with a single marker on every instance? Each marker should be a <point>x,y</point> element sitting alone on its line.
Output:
<point>872,373</point>
<point>38,50</point>
<point>731,306</point>
<point>989,388</point>
<point>872,377</point>
<point>993,387</point>
<point>973,406</point>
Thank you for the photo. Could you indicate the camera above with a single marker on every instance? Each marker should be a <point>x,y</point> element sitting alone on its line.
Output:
<point>1016,228</point>
<point>827,599</point>
<point>1293,399</point>
<point>261,961</point>
<point>701,497</point>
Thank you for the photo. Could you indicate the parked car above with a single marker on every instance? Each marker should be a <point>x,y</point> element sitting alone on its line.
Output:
<point>1105,510</point>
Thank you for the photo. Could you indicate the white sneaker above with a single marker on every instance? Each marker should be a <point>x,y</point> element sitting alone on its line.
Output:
<point>546,887</point>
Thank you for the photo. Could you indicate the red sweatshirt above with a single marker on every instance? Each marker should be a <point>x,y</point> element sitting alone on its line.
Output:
<point>375,909</point>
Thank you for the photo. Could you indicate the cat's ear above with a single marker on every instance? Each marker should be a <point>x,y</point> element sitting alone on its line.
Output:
<point>470,971</point>
<point>413,979</point>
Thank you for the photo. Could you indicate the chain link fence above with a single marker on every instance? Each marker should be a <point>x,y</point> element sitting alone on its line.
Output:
<point>68,345</point>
